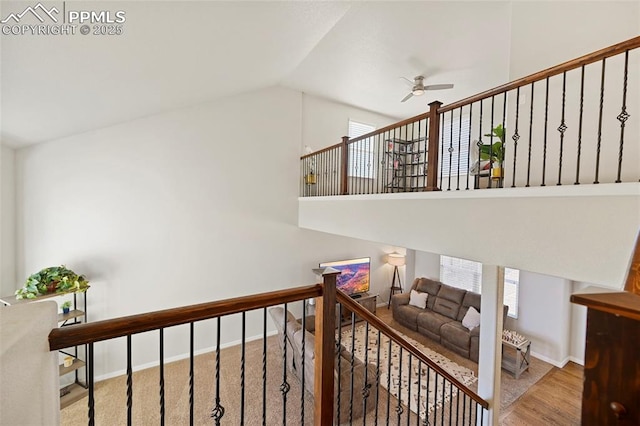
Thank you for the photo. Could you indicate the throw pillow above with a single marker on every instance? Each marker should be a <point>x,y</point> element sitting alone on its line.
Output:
<point>471,319</point>
<point>418,299</point>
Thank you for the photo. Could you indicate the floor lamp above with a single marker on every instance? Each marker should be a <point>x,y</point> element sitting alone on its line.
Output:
<point>395,260</point>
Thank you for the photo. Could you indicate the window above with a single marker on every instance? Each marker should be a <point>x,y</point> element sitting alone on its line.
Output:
<point>467,274</point>
<point>459,160</point>
<point>361,162</point>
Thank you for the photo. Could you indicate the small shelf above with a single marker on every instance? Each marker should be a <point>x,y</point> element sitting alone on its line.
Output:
<point>76,393</point>
<point>77,363</point>
<point>76,313</point>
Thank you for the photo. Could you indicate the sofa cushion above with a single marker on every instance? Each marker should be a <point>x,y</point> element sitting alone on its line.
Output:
<point>455,333</point>
<point>309,343</point>
<point>431,321</point>
<point>417,299</point>
<point>448,301</point>
<point>470,299</point>
<point>472,319</point>
<point>426,285</point>
<point>406,314</point>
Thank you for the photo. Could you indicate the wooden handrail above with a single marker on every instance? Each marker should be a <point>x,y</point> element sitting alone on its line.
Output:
<point>329,148</point>
<point>587,59</point>
<point>400,340</point>
<point>81,334</point>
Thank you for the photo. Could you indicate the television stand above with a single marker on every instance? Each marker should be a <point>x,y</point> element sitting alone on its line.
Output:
<point>366,300</point>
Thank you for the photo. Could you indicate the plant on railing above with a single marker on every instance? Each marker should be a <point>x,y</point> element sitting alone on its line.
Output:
<point>494,152</point>
<point>54,279</point>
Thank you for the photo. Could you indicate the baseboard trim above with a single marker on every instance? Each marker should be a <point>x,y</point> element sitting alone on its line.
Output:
<point>180,357</point>
<point>546,359</point>
<point>578,361</point>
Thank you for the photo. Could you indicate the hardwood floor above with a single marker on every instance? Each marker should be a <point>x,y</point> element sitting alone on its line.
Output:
<point>554,400</point>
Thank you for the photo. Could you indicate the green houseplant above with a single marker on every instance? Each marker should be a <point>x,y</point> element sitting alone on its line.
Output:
<point>494,152</point>
<point>66,306</point>
<point>54,279</point>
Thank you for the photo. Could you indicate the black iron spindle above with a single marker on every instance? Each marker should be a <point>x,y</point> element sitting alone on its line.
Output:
<point>218,409</point>
<point>389,382</point>
<point>450,149</point>
<point>479,143</point>
<point>624,115</point>
<point>161,330</point>
<point>284,387</point>
<point>264,366</point>
<point>91,400</point>
<point>577,182</point>
<point>450,403</point>
<point>530,136</point>
<point>419,388</point>
<point>459,146</point>
<point>546,122</point>
<point>338,351</point>
<point>515,138</point>
<point>242,361</point>
<point>563,126</point>
<point>367,387</point>
<point>129,383</point>
<point>409,389</point>
<point>375,421</point>
<point>426,417</point>
<point>399,409</point>
<point>191,378</point>
<point>600,122</point>
<point>458,406</point>
<point>469,146</point>
<point>491,156</point>
<point>352,364</point>
<point>441,149</point>
<point>435,395</point>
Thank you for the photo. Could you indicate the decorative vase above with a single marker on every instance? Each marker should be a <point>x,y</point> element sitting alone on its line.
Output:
<point>65,310</point>
<point>496,172</point>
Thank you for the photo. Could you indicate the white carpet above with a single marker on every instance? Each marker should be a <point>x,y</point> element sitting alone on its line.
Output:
<point>438,389</point>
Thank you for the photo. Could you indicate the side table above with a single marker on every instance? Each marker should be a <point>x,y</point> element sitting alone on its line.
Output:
<point>516,357</point>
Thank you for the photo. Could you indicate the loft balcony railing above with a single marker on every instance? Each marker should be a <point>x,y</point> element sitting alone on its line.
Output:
<point>570,124</point>
<point>253,403</point>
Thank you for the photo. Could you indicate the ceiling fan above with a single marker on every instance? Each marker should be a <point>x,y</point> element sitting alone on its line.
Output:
<point>419,88</point>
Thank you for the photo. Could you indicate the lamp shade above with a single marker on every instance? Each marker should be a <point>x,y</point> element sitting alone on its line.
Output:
<point>395,259</point>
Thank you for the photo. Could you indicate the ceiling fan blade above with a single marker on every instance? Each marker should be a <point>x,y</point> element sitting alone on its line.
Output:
<point>406,98</point>
<point>411,82</point>
<point>438,86</point>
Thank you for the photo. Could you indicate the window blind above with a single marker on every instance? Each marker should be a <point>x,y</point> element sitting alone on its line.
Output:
<point>361,162</point>
<point>459,159</point>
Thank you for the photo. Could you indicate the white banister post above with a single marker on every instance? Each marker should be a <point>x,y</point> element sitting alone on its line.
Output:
<point>490,359</point>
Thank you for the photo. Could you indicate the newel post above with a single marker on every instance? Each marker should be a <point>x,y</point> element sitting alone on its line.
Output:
<point>325,347</point>
<point>434,140</point>
<point>344,166</point>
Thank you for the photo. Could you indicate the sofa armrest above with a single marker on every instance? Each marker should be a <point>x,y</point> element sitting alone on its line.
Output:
<point>399,300</point>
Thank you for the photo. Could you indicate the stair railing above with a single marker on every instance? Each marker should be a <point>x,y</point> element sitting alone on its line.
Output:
<point>563,125</point>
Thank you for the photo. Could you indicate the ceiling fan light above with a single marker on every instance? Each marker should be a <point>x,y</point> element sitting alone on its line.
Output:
<point>418,92</point>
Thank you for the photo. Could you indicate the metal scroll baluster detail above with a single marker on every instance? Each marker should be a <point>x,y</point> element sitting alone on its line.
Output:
<point>218,410</point>
<point>129,383</point>
<point>530,136</point>
<point>399,408</point>
<point>600,122</point>
<point>577,182</point>
<point>352,363</point>
<point>563,126</point>
<point>409,389</point>
<point>624,115</point>
<point>375,422</point>
<point>366,389</point>
<point>161,376</point>
<point>450,149</point>
<point>469,144</point>
<point>284,387</point>
<point>516,137</point>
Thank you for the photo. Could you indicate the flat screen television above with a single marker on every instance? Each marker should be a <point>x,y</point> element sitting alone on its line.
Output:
<point>354,275</point>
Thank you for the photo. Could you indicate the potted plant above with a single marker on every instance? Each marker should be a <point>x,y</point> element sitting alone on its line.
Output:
<point>494,152</point>
<point>66,306</point>
<point>54,279</point>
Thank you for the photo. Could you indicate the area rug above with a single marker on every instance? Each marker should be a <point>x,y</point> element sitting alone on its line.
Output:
<point>433,393</point>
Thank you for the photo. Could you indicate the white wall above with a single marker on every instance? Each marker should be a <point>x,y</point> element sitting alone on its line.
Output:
<point>184,207</point>
<point>8,277</point>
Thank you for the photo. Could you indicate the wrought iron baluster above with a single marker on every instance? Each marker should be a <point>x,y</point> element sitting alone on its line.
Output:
<point>469,145</point>
<point>600,122</point>
<point>546,121</point>
<point>399,409</point>
<point>530,135</point>
<point>284,387</point>
<point>91,400</point>
<point>435,395</point>
<point>458,406</point>
<point>129,383</point>
<point>563,126</point>
<point>409,389</point>
<point>577,182</point>
<point>515,138</point>
<point>218,409</point>
<point>366,389</point>
<point>352,364</point>
<point>338,351</point>
<point>441,148</point>
<point>419,389</point>
<point>304,352</point>
<point>161,330</point>
<point>375,421</point>
<point>450,149</point>
<point>264,366</point>
<point>242,361</point>
<point>491,161</point>
<point>389,381</point>
<point>191,382</point>
<point>624,115</point>
<point>459,144</point>
<point>504,139</point>
<point>479,143</point>
<point>450,403</point>
<point>426,417</point>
